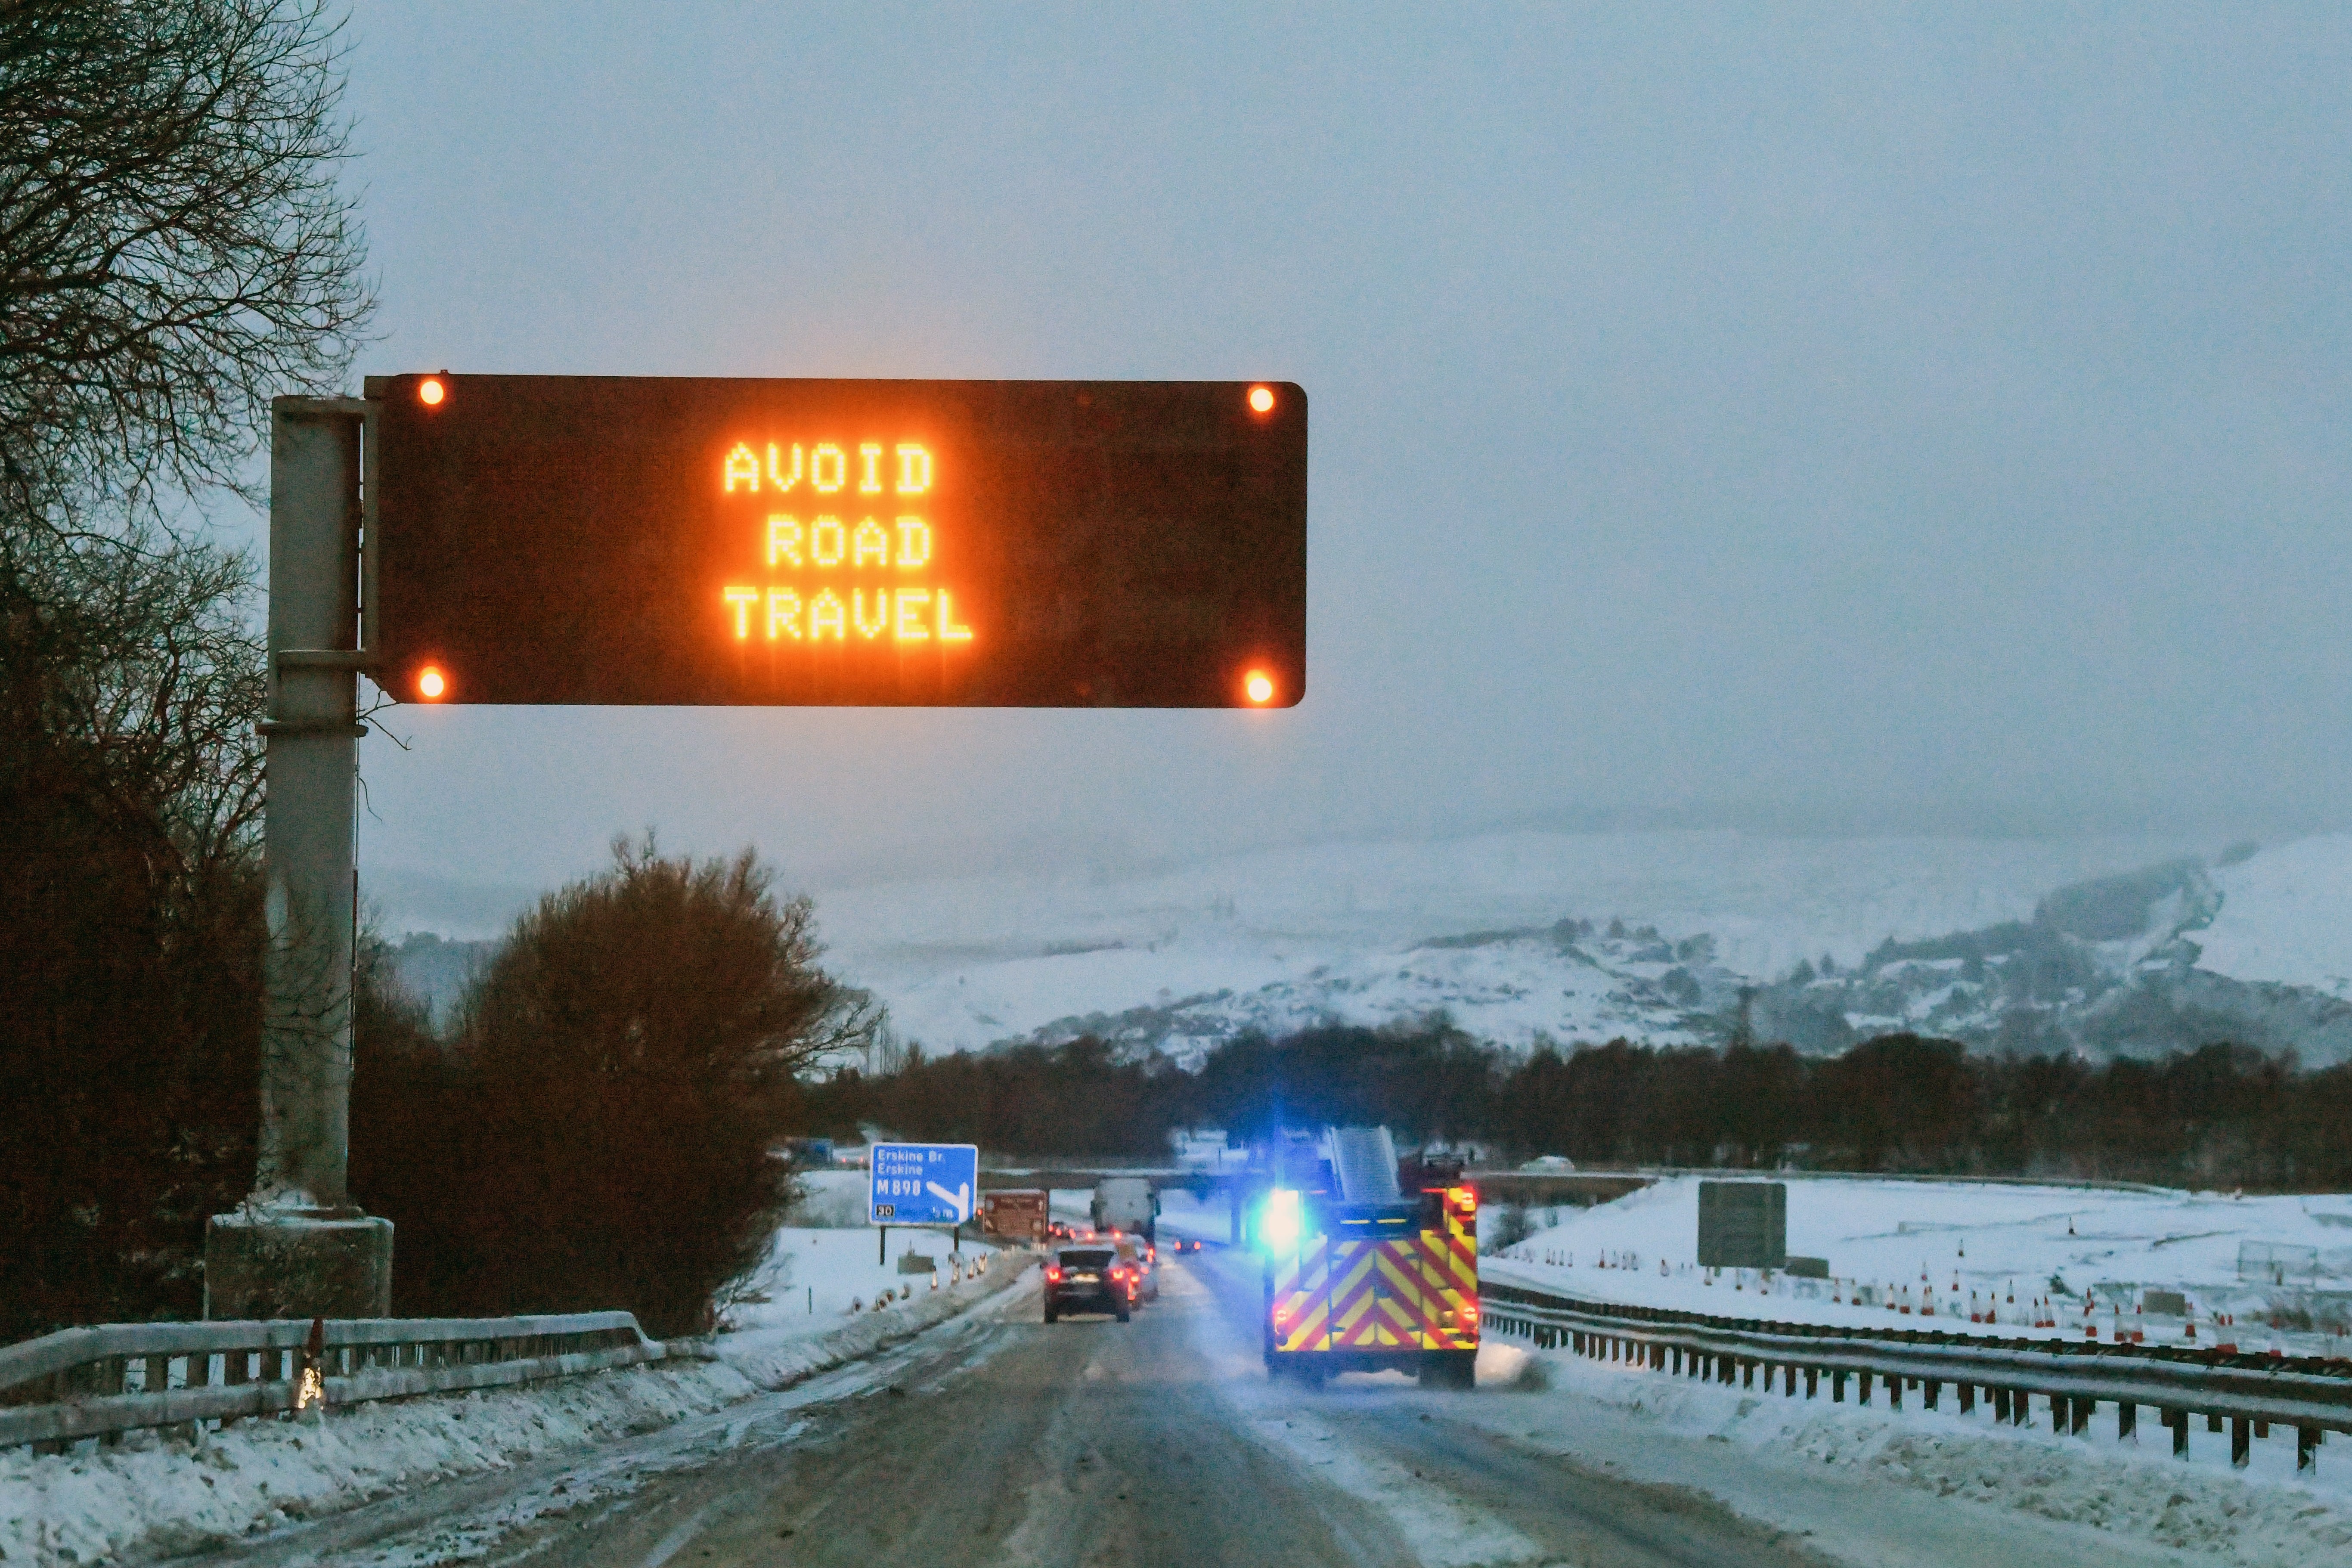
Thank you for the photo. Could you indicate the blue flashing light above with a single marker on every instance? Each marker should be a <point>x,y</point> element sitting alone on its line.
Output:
<point>1279,1223</point>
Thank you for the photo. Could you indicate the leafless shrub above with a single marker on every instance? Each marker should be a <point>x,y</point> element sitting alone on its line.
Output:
<point>602,1135</point>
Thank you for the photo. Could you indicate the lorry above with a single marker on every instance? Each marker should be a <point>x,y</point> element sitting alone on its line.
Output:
<point>1369,1263</point>
<point>1129,1203</point>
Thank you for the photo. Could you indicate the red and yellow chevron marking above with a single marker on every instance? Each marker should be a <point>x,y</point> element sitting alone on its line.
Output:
<point>1300,1310</point>
<point>1353,1325</point>
<point>1378,1295</point>
<point>1449,1269</point>
<point>1404,1292</point>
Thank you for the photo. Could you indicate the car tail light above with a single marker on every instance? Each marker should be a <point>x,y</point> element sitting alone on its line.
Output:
<point>1053,1276</point>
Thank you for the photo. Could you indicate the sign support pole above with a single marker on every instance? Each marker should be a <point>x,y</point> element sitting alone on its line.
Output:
<point>298,1246</point>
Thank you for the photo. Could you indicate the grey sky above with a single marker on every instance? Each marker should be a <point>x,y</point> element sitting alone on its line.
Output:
<point>1844,419</point>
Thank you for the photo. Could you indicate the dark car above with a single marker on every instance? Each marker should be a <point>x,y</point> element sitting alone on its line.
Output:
<point>1086,1276</point>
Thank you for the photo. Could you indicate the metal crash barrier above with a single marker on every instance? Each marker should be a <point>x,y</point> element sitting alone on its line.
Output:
<point>114,1378</point>
<point>2251,1393</point>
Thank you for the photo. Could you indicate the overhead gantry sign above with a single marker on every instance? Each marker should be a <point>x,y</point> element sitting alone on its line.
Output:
<point>621,540</point>
<point>975,544</point>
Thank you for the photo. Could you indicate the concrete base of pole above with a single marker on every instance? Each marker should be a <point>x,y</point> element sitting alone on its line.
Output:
<point>298,1264</point>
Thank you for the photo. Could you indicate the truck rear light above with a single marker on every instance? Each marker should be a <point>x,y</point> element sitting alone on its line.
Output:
<point>1281,1316</point>
<point>1467,1312</point>
<point>1466,1199</point>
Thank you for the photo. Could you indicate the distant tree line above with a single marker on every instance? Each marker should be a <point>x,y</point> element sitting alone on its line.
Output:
<point>2224,1115</point>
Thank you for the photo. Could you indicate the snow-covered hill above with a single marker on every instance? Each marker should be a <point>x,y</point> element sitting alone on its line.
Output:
<point>1520,935</point>
<point>2254,949</point>
<point>2285,917</point>
<point>2106,946</point>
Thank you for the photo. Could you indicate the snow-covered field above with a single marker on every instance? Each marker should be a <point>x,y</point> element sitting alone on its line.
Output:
<point>1340,930</point>
<point>156,1497</point>
<point>2022,1252</point>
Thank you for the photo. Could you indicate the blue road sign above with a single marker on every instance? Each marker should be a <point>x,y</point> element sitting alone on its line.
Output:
<point>922,1183</point>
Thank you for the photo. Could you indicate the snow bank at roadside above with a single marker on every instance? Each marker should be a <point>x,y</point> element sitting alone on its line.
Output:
<point>2263,1518</point>
<point>155,1498</point>
<point>823,1285</point>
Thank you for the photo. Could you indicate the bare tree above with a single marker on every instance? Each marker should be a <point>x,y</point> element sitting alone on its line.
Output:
<point>175,249</point>
<point>176,245</point>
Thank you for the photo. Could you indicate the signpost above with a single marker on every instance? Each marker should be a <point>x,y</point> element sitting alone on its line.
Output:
<point>298,1246</point>
<point>928,1185</point>
<point>626,540</point>
<point>1016,1212</point>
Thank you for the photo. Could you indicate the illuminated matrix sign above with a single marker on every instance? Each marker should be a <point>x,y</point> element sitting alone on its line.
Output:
<point>627,540</point>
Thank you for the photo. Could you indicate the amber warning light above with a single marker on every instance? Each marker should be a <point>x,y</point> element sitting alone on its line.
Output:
<point>619,540</point>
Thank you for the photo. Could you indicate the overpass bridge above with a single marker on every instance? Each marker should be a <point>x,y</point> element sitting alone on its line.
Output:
<point>1533,1189</point>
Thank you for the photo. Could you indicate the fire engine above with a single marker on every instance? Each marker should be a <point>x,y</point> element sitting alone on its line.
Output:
<point>1369,1264</point>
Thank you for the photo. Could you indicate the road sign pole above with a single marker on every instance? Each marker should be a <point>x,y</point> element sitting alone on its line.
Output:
<point>299,1247</point>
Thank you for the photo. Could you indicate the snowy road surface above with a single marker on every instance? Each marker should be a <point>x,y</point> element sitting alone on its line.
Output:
<point>997,1439</point>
